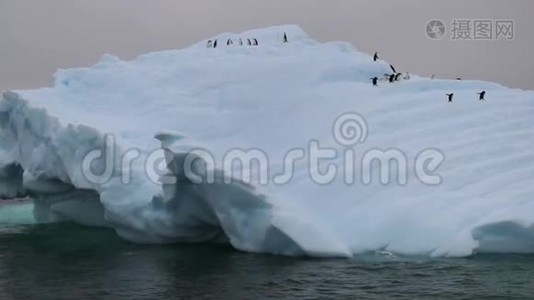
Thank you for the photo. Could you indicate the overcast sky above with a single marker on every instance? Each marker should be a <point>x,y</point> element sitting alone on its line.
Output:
<point>38,37</point>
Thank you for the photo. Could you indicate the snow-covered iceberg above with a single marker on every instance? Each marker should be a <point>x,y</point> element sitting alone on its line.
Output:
<point>274,100</point>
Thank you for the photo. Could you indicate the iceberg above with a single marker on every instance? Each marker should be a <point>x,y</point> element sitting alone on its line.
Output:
<point>117,145</point>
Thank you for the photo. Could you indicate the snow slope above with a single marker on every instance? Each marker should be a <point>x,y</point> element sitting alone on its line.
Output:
<point>275,97</point>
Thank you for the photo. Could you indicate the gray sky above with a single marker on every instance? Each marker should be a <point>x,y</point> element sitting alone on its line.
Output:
<point>38,37</point>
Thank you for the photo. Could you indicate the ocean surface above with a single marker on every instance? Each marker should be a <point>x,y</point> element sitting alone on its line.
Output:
<point>67,261</point>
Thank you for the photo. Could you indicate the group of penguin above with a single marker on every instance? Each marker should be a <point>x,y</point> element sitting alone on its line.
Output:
<point>250,42</point>
<point>481,96</point>
<point>396,77</point>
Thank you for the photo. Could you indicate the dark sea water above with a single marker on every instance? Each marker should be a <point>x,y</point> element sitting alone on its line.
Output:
<point>67,261</point>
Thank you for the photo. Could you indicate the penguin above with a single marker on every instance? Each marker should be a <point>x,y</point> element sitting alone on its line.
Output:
<point>215,44</point>
<point>255,42</point>
<point>229,42</point>
<point>450,96</point>
<point>285,37</point>
<point>375,57</point>
<point>249,42</point>
<point>392,78</point>
<point>393,68</point>
<point>240,42</point>
<point>210,44</point>
<point>375,81</point>
<point>433,76</point>
<point>398,76</point>
<point>481,95</point>
<point>459,78</point>
<point>407,76</point>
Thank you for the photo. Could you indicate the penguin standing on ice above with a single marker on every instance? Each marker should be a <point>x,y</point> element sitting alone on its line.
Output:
<point>255,42</point>
<point>398,76</point>
<point>375,81</point>
<point>240,42</point>
<point>215,44</point>
<point>229,42</point>
<point>449,96</point>
<point>481,95</point>
<point>285,37</point>
<point>249,42</point>
<point>375,57</point>
<point>210,44</point>
<point>392,78</point>
<point>393,68</point>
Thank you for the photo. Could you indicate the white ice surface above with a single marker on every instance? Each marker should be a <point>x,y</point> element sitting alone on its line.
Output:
<point>276,97</point>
